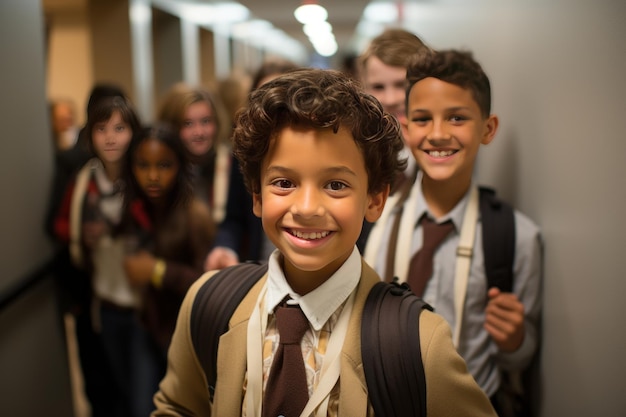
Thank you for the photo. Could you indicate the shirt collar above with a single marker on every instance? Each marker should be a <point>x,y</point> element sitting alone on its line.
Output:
<point>321,303</point>
<point>455,215</point>
<point>105,185</point>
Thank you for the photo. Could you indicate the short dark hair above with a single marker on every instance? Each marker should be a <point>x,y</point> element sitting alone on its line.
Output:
<point>454,67</point>
<point>98,93</point>
<point>103,90</point>
<point>318,99</point>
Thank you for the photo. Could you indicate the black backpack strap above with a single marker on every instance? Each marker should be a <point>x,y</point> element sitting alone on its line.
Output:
<point>390,348</point>
<point>498,221</point>
<point>498,226</point>
<point>213,307</point>
<point>365,232</point>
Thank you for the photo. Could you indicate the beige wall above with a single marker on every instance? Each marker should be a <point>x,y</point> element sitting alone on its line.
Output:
<point>69,71</point>
<point>82,53</point>
<point>111,47</point>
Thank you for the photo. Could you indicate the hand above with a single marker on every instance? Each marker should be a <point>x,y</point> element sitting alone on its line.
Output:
<point>139,267</point>
<point>92,231</point>
<point>219,258</point>
<point>504,320</point>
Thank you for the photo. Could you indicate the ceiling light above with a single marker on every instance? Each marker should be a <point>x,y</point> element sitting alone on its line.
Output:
<point>310,12</point>
<point>230,12</point>
<point>381,12</point>
<point>311,29</point>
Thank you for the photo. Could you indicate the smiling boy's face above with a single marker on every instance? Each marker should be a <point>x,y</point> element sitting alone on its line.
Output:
<point>446,129</point>
<point>313,201</point>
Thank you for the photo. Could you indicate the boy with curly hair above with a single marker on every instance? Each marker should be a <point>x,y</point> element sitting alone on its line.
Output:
<point>318,155</point>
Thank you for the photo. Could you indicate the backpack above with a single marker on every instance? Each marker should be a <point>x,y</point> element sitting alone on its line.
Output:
<point>516,395</point>
<point>218,298</point>
<point>498,227</point>
<point>393,369</point>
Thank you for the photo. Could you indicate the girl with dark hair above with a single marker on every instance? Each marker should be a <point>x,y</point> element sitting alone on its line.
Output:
<point>173,229</point>
<point>90,220</point>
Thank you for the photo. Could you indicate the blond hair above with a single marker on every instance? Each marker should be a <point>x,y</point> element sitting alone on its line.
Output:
<point>394,47</point>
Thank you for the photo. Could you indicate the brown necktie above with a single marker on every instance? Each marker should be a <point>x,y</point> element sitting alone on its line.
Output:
<point>421,266</point>
<point>286,392</point>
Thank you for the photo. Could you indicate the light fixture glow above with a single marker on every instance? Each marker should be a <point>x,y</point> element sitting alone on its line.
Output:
<point>319,31</point>
<point>382,12</point>
<point>230,12</point>
<point>215,13</point>
<point>308,13</point>
<point>311,29</point>
<point>327,48</point>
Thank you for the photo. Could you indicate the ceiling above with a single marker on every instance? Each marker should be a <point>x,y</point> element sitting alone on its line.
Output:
<point>343,15</point>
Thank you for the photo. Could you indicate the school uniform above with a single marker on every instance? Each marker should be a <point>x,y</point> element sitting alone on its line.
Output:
<point>483,358</point>
<point>182,240</point>
<point>130,356</point>
<point>451,391</point>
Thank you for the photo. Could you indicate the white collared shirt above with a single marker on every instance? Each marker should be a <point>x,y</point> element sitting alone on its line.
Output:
<point>476,345</point>
<point>321,303</point>
<point>327,309</point>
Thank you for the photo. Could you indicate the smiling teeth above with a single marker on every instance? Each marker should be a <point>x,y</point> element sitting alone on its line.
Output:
<point>440,154</point>
<point>310,236</point>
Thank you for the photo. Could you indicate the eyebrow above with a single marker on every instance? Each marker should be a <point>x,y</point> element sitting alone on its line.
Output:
<point>450,109</point>
<point>330,170</point>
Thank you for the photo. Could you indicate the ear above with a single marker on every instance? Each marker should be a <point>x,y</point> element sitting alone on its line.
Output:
<point>491,127</point>
<point>404,126</point>
<point>376,204</point>
<point>257,204</point>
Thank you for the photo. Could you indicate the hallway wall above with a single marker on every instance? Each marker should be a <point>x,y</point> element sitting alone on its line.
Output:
<point>557,70</point>
<point>33,378</point>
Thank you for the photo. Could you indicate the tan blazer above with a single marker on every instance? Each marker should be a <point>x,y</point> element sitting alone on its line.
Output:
<point>451,390</point>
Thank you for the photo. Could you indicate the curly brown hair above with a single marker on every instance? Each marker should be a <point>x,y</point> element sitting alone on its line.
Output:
<point>318,99</point>
<point>454,67</point>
